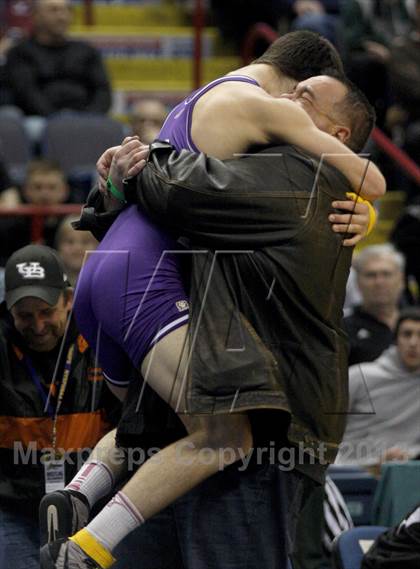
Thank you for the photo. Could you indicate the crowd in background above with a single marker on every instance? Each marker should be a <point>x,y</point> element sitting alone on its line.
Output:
<point>47,74</point>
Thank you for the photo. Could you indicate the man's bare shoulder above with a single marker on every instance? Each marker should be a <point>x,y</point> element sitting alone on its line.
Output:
<point>224,119</point>
<point>230,95</point>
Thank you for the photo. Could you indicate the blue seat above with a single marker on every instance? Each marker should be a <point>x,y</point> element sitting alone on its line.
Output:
<point>344,469</point>
<point>358,488</point>
<point>350,546</point>
<point>15,149</point>
<point>76,140</point>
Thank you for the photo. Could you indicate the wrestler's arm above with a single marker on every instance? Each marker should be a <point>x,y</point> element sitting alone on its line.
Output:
<point>284,119</point>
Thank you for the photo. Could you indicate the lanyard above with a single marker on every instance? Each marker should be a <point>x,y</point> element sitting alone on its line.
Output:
<point>42,390</point>
<point>53,413</point>
<point>64,382</point>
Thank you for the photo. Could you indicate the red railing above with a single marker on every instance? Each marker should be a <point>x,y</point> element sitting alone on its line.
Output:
<point>259,31</point>
<point>38,214</point>
<point>88,15</point>
<point>401,158</point>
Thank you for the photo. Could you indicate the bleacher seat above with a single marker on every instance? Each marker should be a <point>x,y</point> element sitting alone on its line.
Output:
<point>351,545</point>
<point>358,488</point>
<point>14,146</point>
<point>76,141</point>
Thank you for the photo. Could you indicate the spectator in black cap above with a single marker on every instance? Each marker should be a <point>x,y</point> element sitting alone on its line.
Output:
<point>52,404</point>
<point>34,274</point>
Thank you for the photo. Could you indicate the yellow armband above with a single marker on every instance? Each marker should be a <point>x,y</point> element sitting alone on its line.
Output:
<point>372,210</point>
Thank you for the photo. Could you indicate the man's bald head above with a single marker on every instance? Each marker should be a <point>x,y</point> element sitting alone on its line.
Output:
<point>337,107</point>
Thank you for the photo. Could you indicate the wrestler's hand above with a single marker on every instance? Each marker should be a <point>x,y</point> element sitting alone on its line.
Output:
<point>128,160</point>
<point>355,220</point>
<point>103,165</point>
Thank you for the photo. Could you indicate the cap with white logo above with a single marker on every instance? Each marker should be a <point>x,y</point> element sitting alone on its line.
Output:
<point>36,271</point>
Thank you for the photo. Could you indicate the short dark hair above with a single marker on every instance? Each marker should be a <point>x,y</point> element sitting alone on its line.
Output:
<point>409,313</point>
<point>43,166</point>
<point>303,54</point>
<point>357,112</point>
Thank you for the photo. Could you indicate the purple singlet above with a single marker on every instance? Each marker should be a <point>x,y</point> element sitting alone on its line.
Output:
<point>129,293</point>
<point>177,126</point>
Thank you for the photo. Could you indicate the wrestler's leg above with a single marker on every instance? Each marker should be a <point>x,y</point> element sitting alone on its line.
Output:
<point>102,329</point>
<point>213,442</point>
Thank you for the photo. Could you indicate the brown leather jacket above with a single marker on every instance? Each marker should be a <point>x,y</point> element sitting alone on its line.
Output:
<point>267,283</point>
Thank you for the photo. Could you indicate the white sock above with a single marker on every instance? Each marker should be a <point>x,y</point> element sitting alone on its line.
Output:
<point>94,480</point>
<point>117,519</point>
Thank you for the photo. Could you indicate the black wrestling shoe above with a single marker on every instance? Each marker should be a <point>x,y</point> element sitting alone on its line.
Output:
<point>65,554</point>
<point>62,514</point>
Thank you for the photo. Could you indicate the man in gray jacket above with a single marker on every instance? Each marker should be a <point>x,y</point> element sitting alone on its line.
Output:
<point>385,400</point>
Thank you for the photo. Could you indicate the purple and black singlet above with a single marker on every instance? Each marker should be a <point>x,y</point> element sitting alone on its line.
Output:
<point>130,293</point>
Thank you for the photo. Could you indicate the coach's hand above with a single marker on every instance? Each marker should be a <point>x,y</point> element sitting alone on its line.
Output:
<point>356,220</point>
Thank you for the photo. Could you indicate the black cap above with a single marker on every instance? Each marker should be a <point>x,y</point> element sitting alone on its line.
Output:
<point>34,270</point>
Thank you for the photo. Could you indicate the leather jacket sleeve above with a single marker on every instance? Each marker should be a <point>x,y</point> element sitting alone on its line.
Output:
<point>238,202</point>
<point>94,218</point>
<point>195,194</point>
<point>189,194</point>
<point>166,172</point>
